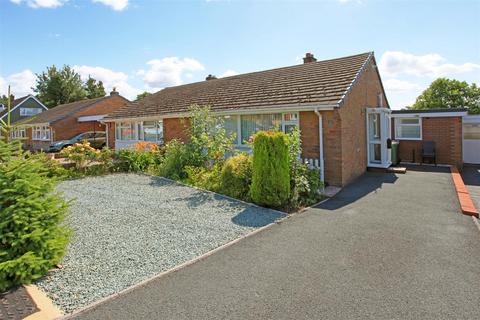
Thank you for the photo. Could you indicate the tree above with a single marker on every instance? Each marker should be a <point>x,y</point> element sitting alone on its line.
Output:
<point>3,100</point>
<point>449,93</point>
<point>142,95</point>
<point>94,89</point>
<point>59,86</point>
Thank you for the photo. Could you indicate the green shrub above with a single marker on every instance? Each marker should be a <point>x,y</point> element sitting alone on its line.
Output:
<point>53,168</point>
<point>131,160</point>
<point>32,238</point>
<point>175,159</point>
<point>271,172</point>
<point>304,183</point>
<point>205,178</point>
<point>236,177</point>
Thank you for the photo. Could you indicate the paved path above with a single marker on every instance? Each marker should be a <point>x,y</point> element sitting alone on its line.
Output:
<point>471,178</point>
<point>386,247</point>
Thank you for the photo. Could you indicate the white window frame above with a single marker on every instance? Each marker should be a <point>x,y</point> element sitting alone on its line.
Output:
<point>18,133</point>
<point>138,134</point>
<point>41,133</point>
<point>399,125</point>
<point>24,113</point>
<point>284,123</point>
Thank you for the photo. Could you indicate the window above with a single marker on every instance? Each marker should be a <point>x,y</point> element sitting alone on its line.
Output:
<point>251,124</point>
<point>231,125</point>
<point>18,133</point>
<point>41,133</point>
<point>408,128</point>
<point>140,131</point>
<point>30,111</point>
<point>125,131</point>
<point>471,131</point>
<point>153,131</point>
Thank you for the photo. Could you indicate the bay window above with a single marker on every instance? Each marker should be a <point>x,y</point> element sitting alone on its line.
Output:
<point>408,128</point>
<point>125,131</point>
<point>41,133</point>
<point>152,131</point>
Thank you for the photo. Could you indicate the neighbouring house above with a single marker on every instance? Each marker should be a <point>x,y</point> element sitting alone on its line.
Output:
<point>455,133</point>
<point>21,109</point>
<point>67,120</point>
<point>333,102</point>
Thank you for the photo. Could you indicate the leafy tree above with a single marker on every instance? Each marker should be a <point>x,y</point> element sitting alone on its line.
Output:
<point>94,88</point>
<point>142,95</point>
<point>449,93</point>
<point>59,86</point>
<point>3,100</point>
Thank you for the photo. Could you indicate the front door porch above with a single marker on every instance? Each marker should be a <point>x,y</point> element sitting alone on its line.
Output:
<point>378,135</point>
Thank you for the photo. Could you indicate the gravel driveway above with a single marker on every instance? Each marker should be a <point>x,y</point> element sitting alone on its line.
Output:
<point>129,227</point>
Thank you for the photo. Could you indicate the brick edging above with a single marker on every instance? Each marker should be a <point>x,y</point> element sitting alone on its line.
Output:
<point>466,203</point>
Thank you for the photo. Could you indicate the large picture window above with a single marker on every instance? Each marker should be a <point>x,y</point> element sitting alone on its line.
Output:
<point>408,128</point>
<point>41,133</point>
<point>251,124</point>
<point>140,131</point>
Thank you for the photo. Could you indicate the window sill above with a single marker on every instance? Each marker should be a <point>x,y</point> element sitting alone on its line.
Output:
<point>409,139</point>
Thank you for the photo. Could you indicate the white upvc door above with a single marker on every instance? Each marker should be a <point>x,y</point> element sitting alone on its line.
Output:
<point>471,139</point>
<point>378,132</point>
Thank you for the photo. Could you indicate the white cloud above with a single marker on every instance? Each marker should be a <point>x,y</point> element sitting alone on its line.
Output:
<point>117,5</point>
<point>41,3</point>
<point>400,85</point>
<point>110,79</point>
<point>20,83</point>
<point>228,73</point>
<point>168,71</point>
<point>395,63</point>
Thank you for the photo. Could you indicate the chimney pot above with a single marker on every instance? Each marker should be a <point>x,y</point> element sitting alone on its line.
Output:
<point>114,92</point>
<point>309,58</point>
<point>210,77</point>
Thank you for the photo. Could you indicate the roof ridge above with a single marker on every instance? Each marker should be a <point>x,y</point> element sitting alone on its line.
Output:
<point>273,69</point>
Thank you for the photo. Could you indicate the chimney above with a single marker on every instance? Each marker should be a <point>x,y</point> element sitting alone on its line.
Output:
<point>309,58</point>
<point>12,97</point>
<point>210,77</point>
<point>114,92</point>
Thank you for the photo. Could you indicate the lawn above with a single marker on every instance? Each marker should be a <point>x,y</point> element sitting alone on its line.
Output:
<point>129,227</point>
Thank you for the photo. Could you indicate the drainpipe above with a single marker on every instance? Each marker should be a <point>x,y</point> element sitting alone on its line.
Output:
<point>320,139</point>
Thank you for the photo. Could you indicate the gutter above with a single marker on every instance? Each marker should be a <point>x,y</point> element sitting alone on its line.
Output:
<point>320,139</point>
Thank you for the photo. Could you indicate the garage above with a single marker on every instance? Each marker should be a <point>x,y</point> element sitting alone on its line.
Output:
<point>471,139</point>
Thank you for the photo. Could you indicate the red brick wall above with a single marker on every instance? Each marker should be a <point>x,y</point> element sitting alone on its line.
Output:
<point>175,128</point>
<point>447,134</point>
<point>68,128</point>
<point>111,134</point>
<point>352,113</point>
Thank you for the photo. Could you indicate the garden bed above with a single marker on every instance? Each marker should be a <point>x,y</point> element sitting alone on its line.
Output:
<point>129,227</point>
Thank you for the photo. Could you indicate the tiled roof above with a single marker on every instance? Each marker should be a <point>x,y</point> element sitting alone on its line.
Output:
<point>441,110</point>
<point>62,111</point>
<point>322,83</point>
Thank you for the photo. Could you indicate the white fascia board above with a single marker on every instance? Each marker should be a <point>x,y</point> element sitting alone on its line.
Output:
<point>91,118</point>
<point>280,109</point>
<point>430,115</point>
<point>18,105</point>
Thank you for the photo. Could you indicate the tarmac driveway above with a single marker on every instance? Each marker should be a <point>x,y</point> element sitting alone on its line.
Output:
<point>386,247</point>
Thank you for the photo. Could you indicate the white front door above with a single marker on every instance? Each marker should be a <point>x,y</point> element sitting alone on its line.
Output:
<point>378,132</point>
<point>471,139</point>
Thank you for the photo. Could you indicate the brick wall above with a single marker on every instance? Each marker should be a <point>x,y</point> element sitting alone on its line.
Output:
<point>447,134</point>
<point>70,127</point>
<point>363,95</point>
<point>111,134</point>
<point>175,128</point>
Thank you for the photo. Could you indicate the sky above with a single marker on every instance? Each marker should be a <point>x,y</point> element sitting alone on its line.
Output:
<point>147,45</point>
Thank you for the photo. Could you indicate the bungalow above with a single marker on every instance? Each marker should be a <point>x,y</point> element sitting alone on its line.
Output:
<point>21,109</point>
<point>67,120</point>
<point>339,105</point>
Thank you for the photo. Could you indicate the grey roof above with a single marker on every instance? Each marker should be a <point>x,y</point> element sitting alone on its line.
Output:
<point>442,110</point>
